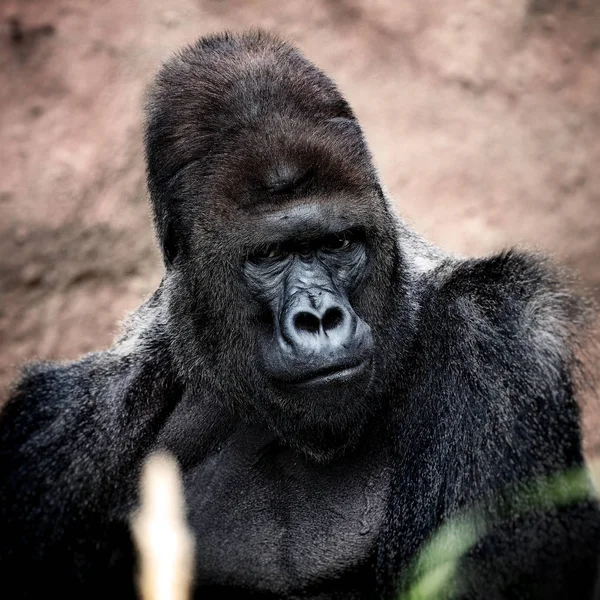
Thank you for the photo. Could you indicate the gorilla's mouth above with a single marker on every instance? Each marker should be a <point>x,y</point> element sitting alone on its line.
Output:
<point>330,375</point>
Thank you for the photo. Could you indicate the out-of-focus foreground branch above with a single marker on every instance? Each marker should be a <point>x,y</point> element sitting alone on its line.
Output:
<point>164,543</point>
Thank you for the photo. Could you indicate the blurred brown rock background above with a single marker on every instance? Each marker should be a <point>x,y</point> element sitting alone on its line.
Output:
<point>484,119</point>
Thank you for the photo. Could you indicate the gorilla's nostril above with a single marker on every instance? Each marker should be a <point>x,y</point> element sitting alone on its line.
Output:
<point>307,322</point>
<point>332,318</point>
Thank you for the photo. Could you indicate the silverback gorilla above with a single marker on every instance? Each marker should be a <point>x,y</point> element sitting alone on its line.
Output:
<point>334,388</point>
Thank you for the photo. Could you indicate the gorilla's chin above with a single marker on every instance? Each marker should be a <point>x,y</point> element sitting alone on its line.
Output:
<point>324,417</point>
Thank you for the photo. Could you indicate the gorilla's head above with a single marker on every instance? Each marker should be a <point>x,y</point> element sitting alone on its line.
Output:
<point>280,251</point>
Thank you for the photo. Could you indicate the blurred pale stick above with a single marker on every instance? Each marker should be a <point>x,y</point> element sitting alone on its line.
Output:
<point>164,543</point>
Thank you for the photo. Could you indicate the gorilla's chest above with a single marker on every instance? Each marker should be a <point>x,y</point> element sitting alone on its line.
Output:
<point>266,519</point>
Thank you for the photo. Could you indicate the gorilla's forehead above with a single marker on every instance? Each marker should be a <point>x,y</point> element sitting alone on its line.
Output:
<point>313,215</point>
<point>279,158</point>
<point>309,219</point>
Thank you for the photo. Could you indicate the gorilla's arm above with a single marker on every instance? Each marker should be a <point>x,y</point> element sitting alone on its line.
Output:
<point>489,407</point>
<point>72,438</point>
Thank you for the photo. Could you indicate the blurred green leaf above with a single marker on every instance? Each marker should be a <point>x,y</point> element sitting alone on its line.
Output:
<point>433,575</point>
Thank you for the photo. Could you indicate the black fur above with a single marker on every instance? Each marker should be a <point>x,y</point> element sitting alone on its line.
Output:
<point>328,494</point>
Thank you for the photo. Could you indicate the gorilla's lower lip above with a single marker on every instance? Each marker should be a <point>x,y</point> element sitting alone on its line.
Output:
<point>330,375</point>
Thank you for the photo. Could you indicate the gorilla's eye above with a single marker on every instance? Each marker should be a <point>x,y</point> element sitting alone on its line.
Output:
<point>274,252</point>
<point>338,241</point>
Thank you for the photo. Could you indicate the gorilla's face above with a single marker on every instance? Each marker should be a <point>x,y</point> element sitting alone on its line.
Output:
<point>312,346</point>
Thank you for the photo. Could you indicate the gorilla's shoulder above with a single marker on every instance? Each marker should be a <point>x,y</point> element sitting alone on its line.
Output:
<point>51,397</point>
<point>505,285</point>
<point>510,300</point>
<point>138,362</point>
<point>46,387</point>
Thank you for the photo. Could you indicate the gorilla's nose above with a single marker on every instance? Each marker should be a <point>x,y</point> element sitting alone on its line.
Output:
<point>316,322</point>
<point>322,340</point>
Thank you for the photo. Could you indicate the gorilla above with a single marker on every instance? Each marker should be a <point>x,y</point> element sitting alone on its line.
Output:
<point>334,388</point>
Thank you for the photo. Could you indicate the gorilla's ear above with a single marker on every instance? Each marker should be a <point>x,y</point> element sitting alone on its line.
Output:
<point>168,242</point>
